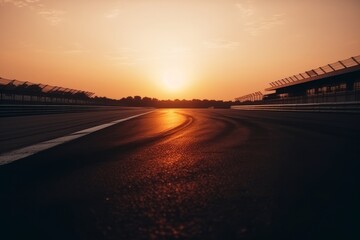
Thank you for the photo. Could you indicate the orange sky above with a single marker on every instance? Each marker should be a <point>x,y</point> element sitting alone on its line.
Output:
<point>214,49</point>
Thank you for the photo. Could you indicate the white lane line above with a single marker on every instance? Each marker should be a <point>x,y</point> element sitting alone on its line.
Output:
<point>12,156</point>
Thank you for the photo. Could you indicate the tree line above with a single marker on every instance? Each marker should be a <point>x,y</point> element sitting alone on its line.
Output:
<point>138,101</point>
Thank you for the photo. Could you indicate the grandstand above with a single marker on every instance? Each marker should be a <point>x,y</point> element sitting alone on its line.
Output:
<point>14,91</point>
<point>336,82</point>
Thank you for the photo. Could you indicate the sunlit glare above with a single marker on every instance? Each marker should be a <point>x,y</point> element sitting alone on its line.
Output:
<point>173,81</point>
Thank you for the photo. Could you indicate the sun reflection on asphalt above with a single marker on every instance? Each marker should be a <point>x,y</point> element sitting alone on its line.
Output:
<point>170,119</point>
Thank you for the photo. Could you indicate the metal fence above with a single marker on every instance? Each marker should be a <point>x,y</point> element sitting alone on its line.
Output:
<point>256,96</point>
<point>27,92</point>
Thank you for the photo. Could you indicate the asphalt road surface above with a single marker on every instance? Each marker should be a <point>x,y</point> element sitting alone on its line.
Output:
<point>187,173</point>
<point>21,131</point>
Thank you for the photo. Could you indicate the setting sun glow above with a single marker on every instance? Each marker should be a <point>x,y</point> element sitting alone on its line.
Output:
<point>173,81</point>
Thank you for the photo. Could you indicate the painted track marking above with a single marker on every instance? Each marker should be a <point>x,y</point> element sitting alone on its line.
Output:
<point>18,154</point>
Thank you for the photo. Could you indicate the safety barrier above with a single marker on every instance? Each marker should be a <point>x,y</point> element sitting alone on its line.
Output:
<point>345,107</point>
<point>9,110</point>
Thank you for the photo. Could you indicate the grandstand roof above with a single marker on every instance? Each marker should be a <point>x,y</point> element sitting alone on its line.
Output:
<point>334,69</point>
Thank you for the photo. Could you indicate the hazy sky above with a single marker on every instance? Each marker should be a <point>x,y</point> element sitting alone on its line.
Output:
<point>214,49</point>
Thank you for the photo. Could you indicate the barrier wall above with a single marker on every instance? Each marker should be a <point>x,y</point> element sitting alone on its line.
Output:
<point>344,107</point>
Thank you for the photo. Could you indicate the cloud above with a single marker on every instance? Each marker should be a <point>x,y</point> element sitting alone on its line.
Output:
<point>20,3</point>
<point>245,10</point>
<point>257,27</point>
<point>124,56</point>
<point>16,3</point>
<point>125,60</point>
<point>53,16</point>
<point>221,44</point>
<point>112,14</point>
<point>72,48</point>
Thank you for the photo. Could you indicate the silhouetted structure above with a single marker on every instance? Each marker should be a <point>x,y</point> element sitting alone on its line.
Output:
<point>252,97</point>
<point>14,91</point>
<point>336,82</point>
<point>27,92</point>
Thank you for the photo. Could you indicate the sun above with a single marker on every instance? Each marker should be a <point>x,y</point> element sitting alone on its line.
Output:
<point>173,81</point>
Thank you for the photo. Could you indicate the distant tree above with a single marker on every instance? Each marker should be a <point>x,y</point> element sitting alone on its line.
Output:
<point>146,102</point>
<point>137,101</point>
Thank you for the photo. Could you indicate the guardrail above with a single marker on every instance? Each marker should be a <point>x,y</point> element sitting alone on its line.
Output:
<point>343,96</point>
<point>256,96</point>
<point>28,99</point>
<point>23,110</point>
<point>345,107</point>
